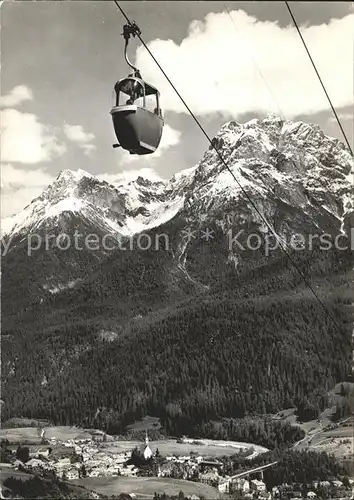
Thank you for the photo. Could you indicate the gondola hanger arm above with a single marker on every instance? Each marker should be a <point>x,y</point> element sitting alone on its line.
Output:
<point>131,29</point>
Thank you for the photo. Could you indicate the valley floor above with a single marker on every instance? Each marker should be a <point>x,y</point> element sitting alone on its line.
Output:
<point>101,458</point>
<point>145,487</point>
<point>205,447</point>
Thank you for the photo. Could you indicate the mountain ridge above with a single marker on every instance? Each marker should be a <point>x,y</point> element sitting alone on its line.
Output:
<point>250,150</point>
<point>289,174</point>
<point>199,330</point>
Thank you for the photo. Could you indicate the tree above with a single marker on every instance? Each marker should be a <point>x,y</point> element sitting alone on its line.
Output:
<point>22,453</point>
<point>6,454</point>
<point>83,470</point>
<point>137,458</point>
<point>346,482</point>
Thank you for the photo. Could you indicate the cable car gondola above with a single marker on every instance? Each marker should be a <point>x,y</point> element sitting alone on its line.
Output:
<point>137,116</point>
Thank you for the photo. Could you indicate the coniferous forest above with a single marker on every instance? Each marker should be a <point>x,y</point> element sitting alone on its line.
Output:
<point>136,340</point>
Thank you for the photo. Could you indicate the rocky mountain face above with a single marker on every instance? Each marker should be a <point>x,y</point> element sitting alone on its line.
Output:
<point>152,257</point>
<point>278,180</point>
<point>293,164</point>
<point>272,160</point>
<point>123,209</point>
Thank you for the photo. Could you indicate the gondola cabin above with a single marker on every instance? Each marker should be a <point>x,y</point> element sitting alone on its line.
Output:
<point>137,117</point>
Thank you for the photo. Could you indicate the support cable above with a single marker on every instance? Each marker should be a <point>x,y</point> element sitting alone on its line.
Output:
<point>319,77</point>
<point>231,172</point>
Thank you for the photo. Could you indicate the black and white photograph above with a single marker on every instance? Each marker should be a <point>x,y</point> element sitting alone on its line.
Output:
<point>177,250</point>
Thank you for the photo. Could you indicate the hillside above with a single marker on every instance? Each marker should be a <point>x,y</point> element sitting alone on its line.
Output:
<point>199,330</point>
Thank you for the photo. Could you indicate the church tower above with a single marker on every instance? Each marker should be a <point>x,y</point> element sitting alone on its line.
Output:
<point>147,451</point>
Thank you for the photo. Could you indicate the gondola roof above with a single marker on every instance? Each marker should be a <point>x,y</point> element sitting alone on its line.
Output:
<point>149,89</point>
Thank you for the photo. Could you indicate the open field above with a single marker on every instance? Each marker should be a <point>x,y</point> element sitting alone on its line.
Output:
<point>20,434</point>
<point>30,434</point>
<point>208,448</point>
<point>339,447</point>
<point>335,397</point>
<point>146,486</point>
<point>341,432</point>
<point>204,447</point>
<point>339,441</point>
<point>145,424</point>
<point>319,434</point>
<point>311,425</point>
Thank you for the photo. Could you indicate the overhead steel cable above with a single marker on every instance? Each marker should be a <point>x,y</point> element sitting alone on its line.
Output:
<point>231,172</point>
<point>319,77</point>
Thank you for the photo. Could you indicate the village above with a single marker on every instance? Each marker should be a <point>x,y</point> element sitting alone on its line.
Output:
<point>76,459</point>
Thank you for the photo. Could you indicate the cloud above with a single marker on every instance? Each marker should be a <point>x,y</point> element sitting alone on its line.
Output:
<point>19,187</point>
<point>131,175</point>
<point>223,64</point>
<point>76,134</point>
<point>25,140</point>
<point>17,95</point>
<point>343,115</point>
<point>88,148</point>
<point>170,137</point>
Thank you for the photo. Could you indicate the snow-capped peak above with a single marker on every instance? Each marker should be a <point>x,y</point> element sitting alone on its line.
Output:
<point>126,209</point>
<point>264,155</point>
<point>76,175</point>
<point>67,182</point>
<point>274,159</point>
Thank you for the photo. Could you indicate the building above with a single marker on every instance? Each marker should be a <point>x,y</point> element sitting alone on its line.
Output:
<point>129,470</point>
<point>44,453</point>
<point>72,474</point>
<point>224,486</point>
<point>208,463</point>
<point>242,485</point>
<point>209,478</point>
<point>34,462</point>
<point>147,450</point>
<point>121,458</point>
<point>296,495</point>
<point>257,485</point>
<point>275,492</point>
<point>324,484</point>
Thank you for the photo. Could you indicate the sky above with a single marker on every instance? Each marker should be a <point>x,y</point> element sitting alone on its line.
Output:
<point>229,60</point>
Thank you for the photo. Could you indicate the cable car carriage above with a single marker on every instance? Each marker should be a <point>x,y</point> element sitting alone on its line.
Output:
<point>137,116</point>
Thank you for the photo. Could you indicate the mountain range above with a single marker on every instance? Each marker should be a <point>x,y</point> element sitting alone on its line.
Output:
<point>176,297</point>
